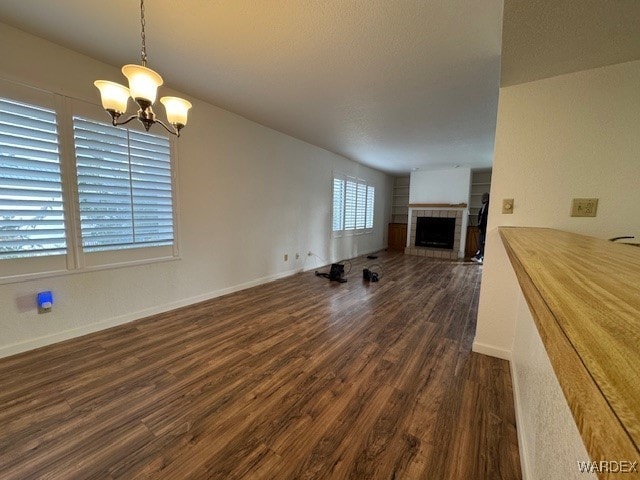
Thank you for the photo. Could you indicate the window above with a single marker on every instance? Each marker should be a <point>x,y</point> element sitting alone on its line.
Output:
<point>31,214</point>
<point>124,187</point>
<point>77,193</point>
<point>353,204</point>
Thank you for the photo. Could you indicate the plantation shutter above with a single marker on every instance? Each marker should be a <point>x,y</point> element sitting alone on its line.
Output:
<point>31,206</point>
<point>338,204</point>
<point>124,187</point>
<point>151,189</point>
<point>350,206</point>
<point>370,203</point>
<point>361,208</point>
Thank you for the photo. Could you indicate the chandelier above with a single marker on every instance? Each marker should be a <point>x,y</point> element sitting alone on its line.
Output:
<point>143,87</point>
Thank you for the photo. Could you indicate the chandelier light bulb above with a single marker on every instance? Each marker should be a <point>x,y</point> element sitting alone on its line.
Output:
<point>113,95</point>
<point>143,82</point>
<point>177,109</point>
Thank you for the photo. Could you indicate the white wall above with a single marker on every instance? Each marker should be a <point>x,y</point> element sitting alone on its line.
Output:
<point>246,195</point>
<point>575,135</point>
<point>548,439</point>
<point>440,186</point>
<point>452,185</point>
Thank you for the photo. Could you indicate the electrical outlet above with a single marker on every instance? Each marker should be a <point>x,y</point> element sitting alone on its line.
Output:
<point>44,301</point>
<point>297,256</point>
<point>507,205</point>
<point>584,207</point>
<point>286,257</point>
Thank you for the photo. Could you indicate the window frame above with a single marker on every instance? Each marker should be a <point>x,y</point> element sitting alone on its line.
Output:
<point>358,184</point>
<point>135,254</point>
<point>76,260</point>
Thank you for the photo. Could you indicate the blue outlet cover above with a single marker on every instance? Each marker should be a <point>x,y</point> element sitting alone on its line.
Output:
<point>45,299</point>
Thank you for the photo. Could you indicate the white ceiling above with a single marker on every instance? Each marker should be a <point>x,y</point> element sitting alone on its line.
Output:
<point>393,84</point>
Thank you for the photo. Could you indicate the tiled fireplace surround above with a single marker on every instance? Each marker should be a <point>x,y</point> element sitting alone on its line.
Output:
<point>435,252</point>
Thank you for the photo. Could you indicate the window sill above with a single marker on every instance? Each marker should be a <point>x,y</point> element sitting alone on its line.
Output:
<point>28,277</point>
<point>351,233</point>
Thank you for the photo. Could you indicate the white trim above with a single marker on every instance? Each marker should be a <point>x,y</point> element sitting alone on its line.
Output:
<point>352,233</point>
<point>33,343</point>
<point>45,340</point>
<point>68,172</point>
<point>173,143</point>
<point>490,350</point>
<point>27,277</point>
<point>524,461</point>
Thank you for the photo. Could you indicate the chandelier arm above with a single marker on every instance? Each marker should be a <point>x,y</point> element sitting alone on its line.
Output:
<point>117,124</point>
<point>175,132</point>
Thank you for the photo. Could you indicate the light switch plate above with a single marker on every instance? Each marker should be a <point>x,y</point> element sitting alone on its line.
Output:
<point>507,205</point>
<point>584,207</point>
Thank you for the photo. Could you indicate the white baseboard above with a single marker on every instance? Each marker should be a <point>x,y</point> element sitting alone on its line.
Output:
<point>45,340</point>
<point>491,350</point>
<point>524,463</point>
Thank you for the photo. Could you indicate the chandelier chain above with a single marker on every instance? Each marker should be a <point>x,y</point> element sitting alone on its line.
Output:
<point>144,39</point>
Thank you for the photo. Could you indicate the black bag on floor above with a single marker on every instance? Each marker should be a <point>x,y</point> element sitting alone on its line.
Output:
<point>336,274</point>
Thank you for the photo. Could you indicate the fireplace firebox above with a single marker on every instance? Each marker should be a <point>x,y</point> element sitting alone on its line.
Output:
<point>435,232</point>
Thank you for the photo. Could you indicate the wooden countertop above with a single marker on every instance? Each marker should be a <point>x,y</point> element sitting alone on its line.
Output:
<point>584,294</point>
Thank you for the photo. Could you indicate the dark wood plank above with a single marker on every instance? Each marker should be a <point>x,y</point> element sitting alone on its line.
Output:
<point>299,378</point>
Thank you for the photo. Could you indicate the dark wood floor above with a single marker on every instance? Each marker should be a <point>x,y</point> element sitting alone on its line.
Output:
<point>300,378</point>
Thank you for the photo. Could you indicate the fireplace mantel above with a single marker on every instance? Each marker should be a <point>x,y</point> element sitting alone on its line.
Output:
<point>437,205</point>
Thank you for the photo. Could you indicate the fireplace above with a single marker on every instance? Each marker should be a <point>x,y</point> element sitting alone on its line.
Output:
<point>435,232</point>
